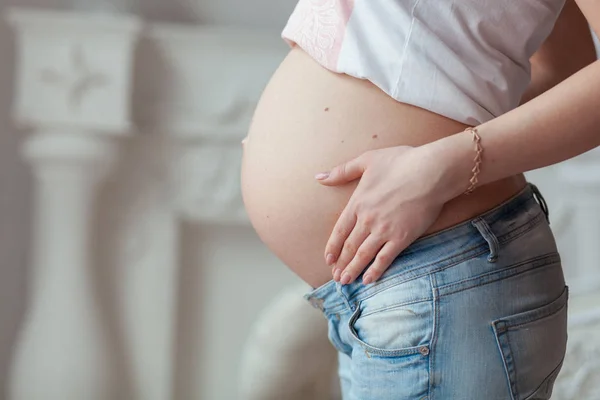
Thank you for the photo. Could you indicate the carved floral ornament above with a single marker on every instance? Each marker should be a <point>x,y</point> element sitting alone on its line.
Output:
<point>78,81</point>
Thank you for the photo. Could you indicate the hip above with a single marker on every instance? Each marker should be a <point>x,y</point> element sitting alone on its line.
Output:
<point>474,311</point>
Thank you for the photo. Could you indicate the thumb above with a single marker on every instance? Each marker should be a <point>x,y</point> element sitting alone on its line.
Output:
<point>343,173</point>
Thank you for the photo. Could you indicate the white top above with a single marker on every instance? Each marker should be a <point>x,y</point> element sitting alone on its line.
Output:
<point>465,59</point>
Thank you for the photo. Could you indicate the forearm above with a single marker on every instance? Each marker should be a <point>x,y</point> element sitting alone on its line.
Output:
<point>557,118</point>
<point>555,126</point>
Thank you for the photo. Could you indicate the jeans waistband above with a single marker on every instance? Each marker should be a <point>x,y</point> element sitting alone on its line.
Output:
<point>485,232</point>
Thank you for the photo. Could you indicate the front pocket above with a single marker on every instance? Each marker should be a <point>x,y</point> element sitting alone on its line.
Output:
<point>533,345</point>
<point>399,330</point>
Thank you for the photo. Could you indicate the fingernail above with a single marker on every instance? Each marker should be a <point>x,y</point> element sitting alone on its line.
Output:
<point>322,175</point>
<point>367,279</point>
<point>329,259</point>
<point>336,275</point>
<point>345,278</point>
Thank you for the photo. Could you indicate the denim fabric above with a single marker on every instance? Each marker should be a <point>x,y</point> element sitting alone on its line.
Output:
<point>477,311</point>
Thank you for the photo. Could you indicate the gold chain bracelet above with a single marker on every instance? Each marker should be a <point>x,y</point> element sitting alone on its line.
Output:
<point>478,152</point>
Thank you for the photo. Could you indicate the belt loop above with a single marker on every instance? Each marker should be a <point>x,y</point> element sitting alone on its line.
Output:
<point>488,235</point>
<point>340,290</point>
<point>541,201</point>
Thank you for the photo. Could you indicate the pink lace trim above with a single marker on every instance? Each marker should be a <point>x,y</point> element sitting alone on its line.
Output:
<point>318,27</point>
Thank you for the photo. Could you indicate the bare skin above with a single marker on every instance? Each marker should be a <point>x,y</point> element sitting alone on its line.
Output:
<point>309,120</point>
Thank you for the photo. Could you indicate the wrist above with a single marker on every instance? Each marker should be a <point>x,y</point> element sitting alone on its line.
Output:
<point>455,156</point>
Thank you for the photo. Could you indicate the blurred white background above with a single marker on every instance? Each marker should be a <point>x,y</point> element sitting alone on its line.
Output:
<point>178,276</point>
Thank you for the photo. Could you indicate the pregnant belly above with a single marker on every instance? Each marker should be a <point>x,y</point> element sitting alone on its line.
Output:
<point>309,120</point>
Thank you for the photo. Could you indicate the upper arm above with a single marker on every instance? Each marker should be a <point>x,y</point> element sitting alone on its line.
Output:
<point>569,47</point>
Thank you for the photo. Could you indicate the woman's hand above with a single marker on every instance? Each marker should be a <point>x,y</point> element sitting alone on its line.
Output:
<point>400,195</point>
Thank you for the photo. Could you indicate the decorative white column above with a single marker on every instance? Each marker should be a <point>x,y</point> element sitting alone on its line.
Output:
<point>73,89</point>
<point>63,352</point>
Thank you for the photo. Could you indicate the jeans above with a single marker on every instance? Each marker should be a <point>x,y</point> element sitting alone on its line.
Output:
<point>475,312</point>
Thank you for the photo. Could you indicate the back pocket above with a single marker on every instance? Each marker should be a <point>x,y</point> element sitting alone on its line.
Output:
<point>533,346</point>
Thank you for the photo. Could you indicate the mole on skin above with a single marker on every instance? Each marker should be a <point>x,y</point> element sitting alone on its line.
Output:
<point>326,108</point>
<point>374,136</point>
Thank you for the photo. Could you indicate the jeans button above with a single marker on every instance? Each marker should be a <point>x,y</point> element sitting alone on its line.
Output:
<point>424,350</point>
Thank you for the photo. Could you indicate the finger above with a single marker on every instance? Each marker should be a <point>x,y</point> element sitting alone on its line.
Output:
<point>343,173</point>
<point>342,229</point>
<point>355,240</point>
<point>337,273</point>
<point>365,254</point>
<point>383,260</point>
